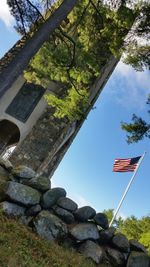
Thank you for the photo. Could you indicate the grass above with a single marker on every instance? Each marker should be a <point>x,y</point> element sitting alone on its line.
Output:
<point>19,247</point>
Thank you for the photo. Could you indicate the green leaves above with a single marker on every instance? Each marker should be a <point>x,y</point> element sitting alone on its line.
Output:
<point>145,240</point>
<point>138,56</point>
<point>77,52</point>
<point>136,130</point>
<point>138,229</point>
<point>132,228</point>
<point>72,106</point>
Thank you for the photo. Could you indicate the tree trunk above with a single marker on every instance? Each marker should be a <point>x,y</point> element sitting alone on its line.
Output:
<point>20,62</point>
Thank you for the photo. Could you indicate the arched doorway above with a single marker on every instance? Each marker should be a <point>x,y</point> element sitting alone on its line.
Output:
<point>9,135</point>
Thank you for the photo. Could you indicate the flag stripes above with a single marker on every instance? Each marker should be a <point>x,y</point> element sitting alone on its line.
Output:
<point>125,165</point>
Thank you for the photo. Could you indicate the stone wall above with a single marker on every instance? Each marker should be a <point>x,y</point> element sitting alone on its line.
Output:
<point>55,217</point>
<point>40,141</point>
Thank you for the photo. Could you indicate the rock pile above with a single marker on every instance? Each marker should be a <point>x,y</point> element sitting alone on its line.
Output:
<point>55,217</point>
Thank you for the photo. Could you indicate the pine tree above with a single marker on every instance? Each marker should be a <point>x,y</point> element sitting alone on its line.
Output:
<point>137,129</point>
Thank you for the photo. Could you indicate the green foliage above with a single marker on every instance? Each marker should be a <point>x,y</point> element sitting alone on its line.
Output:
<point>72,106</point>
<point>138,57</point>
<point>132,228</point>
<point>138,229</point>
<point>145,240</point>
<point>78,50</point>
<point>138,129</point>
<point>143,9</point>
<point>109,213</point>
<point>117,223</point>
<point>137,48</point>
<point>29,14</point>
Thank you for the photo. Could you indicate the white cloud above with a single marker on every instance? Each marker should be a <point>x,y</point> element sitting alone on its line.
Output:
<point>5,15</point>
<point>129,87</point>
<point>80,200</point>
<point>123,69</point>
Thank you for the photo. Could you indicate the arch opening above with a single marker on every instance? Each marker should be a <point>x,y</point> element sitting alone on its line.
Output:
<point>9,137</point>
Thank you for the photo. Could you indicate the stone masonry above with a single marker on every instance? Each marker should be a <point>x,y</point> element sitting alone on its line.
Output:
<point>55,217</point>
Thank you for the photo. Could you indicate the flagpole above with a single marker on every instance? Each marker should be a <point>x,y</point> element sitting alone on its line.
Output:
<point>127,189</point>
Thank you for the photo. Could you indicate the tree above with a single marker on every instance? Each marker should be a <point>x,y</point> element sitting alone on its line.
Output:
<point>138,229</point>
<point>91,34</point>
<point>26,14</point>
<point>118,222</point>
<point>137,50</point>
<point>132,228</point>
<point>21,60</point>
<point>145,240</point>
<point>137,47</point>
<point>68,50</point>
<point>76,53</point>
<point>138,56</point>
<point>109,213</point>
<point>72,106</point>
<point>138,129</point>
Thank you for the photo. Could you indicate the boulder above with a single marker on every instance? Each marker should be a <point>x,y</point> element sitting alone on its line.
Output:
<point>40,183</point>
<point>34,210</point>
<point>121,242</point>
<point>24,172</point>
<point>11,209</point>
<point>84,231</point>
<point>106,236</point>
<point>51,197</point>
<point>84,214</point>
<point>49,226</point>
<point>115,257</point>
<point>138,259</point>
<point>5,163</point>
<point>65,215</point>
<point>22,194</point>
<point>67,204</point>
<point>101,220</point>
<point>91,250</point>
<point>136,246</point>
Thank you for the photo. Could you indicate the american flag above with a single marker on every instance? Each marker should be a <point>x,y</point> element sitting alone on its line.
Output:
<point>125,165</point>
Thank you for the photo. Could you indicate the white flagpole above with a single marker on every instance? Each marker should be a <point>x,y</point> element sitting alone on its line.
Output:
<point>127,189</point>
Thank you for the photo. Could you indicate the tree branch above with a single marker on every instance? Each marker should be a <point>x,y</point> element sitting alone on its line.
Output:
<point>95,7</point>
<point>74,46</point>
<point>37,10</point>
<point>21,17</point>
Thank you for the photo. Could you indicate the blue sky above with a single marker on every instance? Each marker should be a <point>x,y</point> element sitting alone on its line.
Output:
<point>86,170</point>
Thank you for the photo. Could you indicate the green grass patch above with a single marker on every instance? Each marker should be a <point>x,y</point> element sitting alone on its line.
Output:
<point>19,247</point>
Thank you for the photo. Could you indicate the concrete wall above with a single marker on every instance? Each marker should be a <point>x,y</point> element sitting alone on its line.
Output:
<point>26,127</point>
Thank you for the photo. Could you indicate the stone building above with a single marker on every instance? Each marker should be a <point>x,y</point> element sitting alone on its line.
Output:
<point>20,107</point>
<point>28,123</point>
